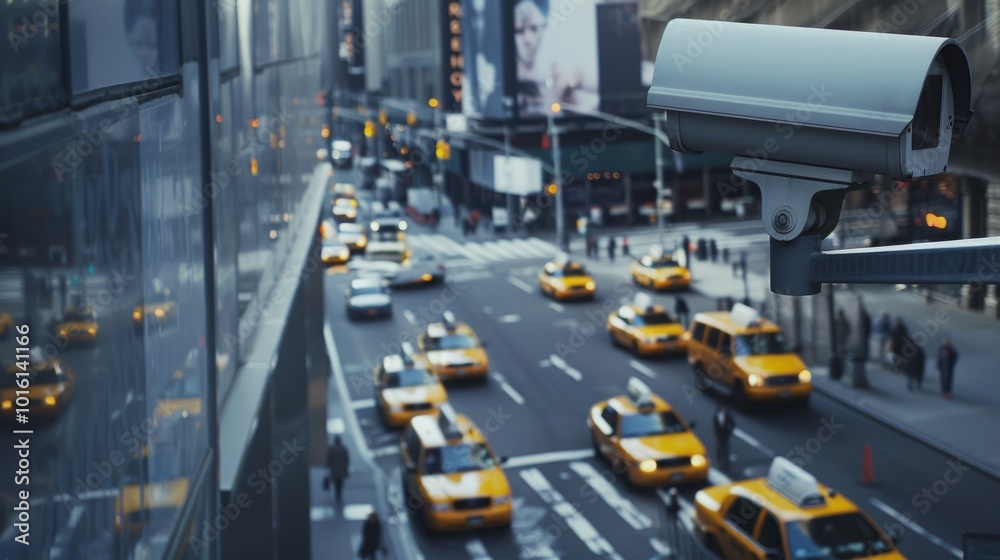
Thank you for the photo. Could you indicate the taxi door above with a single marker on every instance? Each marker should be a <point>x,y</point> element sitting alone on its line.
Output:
<point>605,435</point>
<point>409,454</point>
<point>738,527</point>
<point>620,322</point>
<point>717,362</point>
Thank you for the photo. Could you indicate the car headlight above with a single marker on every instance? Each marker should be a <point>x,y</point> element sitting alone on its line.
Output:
<point>648,465</point>
<point>345,254</point>
<point>590,285</point>
<point>50,400</point>
<point>427,277</point>
<point>501,500</point>
<point>159,313</point>
<point>374,226</point>
<point>7,405</point>
<point>137,315</point>
<point>805,376</point>
<point>441,507</point>
<point>362,242</point>
<point>91,330</point>
<point>698,460</point>
<point>755,381</point>
<point>402,226</point>
<point>336,154</point>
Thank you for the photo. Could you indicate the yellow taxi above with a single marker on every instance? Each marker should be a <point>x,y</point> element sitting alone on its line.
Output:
<point>645,328</point>
<point>49,386</point>
<point>452,479</point>
<point>452,350</point>
<point>334,252</point>
<point>660,271</point>
<point>642,435</point>
<point>78,325</point>
<point>743,355</point>
<point>353,236</point>
<point>562,278</point>
<point>344,190</point>
<point>183,394</point>
<point>786,515</point>
<point>345,209</point>
<point>6,322</point>
<point>158,309</point>
<point>405,388</point>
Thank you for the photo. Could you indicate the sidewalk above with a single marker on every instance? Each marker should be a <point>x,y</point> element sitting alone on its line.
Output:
<point>962,426</point>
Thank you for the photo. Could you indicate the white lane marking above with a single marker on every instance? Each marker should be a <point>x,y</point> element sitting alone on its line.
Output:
<point>544,363</point>
<point>335,426</point>
<point>320,513</point>
<point>511,392</point>
<point>529,250</point>
<point>556,307</point>
<point>129,397</point>
<point>502,249</point>
<point>907,521</point>
<point>579,524</point>
<point>568,369</point>
<point>341,387</point>
<point>463,263</point>
<point>660,547</point>
<point>548,248</point>
<point>116,414</point>
<point>477,550</point>
<point>358,512</point>
<point>409,316</point>
<point>385,451</point>
<point>546,458</point>
<point>717,477</point>
<point>753,442</point>
<point>622,505</point>
<point>520,284</point>
<point>457,248</point>
<point>362,403</point>
<point>483,252</point>
<point>642,368</point>
<point>509,318</point>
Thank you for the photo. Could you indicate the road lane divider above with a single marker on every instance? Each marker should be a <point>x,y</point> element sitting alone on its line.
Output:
<point>507,319</point>
<point>520,284</point>
<point>556,307</point>
<point>611,496</point>
<point>753,442</point>
<point>572,517</point>
<point>477,550</point>
<point>547,458</point>
<point>362,403</point>
<point>511,392</point>
<point>566,368</point>
<point>409,316</point>
<point>908,522</point>
<point>642,368</point>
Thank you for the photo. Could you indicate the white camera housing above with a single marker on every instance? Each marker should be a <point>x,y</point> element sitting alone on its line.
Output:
<point>865,102</point>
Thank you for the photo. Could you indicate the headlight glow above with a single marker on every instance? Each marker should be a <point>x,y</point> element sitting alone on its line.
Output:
<point>6,405</point>
<point>647,466</point>
<point>50,400</point>
<point>427,277</point>
<point>755,381</point>
<point>698,460</point>
<point>137,315</point>
<point>374,226</point>
<point>590,286</point>
<point>402,226</point>
<point>345,254</point>
<point>159,313</point>
<point>362,241</point>
<point>805,376</point>
<point>91,330</point>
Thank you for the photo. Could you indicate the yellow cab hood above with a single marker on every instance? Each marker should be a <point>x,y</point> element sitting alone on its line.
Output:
<point>37,391</point>
<point>672,271</point>
<point>664,446</point>
<point>672,329</point>
<point>465,356</point>
<point>489,482</point>
<point>770,364</point>
<point>166,407</point>
<point>573,281</point>
<point>157,495</point>
<point>414,395</point>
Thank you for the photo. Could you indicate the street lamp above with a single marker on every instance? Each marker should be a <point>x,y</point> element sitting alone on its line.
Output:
<point>560,219</point>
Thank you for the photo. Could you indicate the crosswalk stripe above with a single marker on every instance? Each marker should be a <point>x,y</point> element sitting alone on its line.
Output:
<point>549,249</point>
<point>459,248</point>
<point>611,496</point>
<point>502,248</point>
<point>530,250</point>
<point>482,251</point>
<point>573,519</point>
<point>477,550</point>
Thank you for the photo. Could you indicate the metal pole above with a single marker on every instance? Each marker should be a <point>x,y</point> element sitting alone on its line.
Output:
<point>836,364</point>
<point>506,169</point>
<point>657,117</point>
<point>560,218</point>
<point>439,186</point>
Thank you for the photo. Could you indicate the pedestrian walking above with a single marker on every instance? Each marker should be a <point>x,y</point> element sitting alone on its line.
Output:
<point>914,365</point>
<point>898,338</point>
<point>681,310</point>
<point>338,461</point>
<point>883,329</point>
<point>946,358</point>
<point>625,248</point>
<point>591,246</point>
<point>686,246</point>
<point>864,333</point>
<point>371,538</point>
<point>843,328</point>
<point>713,250</point>
<point>611,248</point>
<point>435,217</point>
<point>723,426</point>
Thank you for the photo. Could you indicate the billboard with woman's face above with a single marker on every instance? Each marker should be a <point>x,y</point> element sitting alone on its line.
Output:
<point>483,49</point>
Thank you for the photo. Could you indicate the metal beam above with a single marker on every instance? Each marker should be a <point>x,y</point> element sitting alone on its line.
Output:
<point>486,141</point>
<point>968,261</point>
<point>626,123</point>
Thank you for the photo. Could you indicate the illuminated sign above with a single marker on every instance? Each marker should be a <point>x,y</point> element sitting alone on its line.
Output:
<point>454,61</point>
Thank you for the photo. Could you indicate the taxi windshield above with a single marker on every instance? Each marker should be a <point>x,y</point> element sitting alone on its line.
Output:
<point>651,424</point>
<point>650,319</point>
<point>343,203</point>
<point>366,290</point>
<point>663,263</point>
<point>847,535</point>
<point>452,342</point>
<point>463,457</point>
<point>408,378</point>
<point>349,228</point>
<point>386,233</point>
<point>569,272</point>
<point>78,316</point>
<point>761,344</point>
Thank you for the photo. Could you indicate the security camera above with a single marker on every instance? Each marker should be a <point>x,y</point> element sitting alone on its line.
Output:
<point>810,114</point>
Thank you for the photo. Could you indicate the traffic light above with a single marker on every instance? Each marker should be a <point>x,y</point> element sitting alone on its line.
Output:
<point>411,118</point>
<point>442,150</point>
<point>552,189</point>
<point>369,129</point>
<point>383,117</point>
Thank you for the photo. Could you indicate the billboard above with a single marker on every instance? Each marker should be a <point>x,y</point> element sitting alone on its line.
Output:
<point>350,49</point>
<point>517,175</point>
<point>484,67</point>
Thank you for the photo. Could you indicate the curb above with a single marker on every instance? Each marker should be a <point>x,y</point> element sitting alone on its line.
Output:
<point>902,428</point>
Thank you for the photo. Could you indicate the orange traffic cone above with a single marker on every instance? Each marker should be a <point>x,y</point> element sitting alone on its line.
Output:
<point>867,466</point>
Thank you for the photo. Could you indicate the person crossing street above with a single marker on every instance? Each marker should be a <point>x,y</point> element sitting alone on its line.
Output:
<point>723,425</point>
<point>338,461</point>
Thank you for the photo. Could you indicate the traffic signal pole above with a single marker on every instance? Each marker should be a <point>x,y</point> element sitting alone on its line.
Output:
<point>561,238</point>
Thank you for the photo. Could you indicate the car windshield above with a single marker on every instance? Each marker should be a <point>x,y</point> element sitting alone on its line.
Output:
<point>651,424</point>
<point>408,378</point>
<point>462,457</point>
<point>342,145</point>
<point>576,271</point>
<point>847,535</point>
<point>761,344</point>
<point>649,319</point>
<point>664,263</point>
<point>78,316</point>
<point>349,228</point>
<point>366,290</point>
<point>343,203</point>
<point>188,386</point>
<point>452,342</point>
<point>386,233</point>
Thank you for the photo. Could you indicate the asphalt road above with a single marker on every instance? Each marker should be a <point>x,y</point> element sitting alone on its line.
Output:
<point>538,406</point>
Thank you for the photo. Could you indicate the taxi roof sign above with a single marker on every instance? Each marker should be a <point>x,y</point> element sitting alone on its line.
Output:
<point>640,393</point>
<point>744,315</point>
<point>407,353</point>
<point>449,320</point>
<point>794,483</point>
<point>448,422</point>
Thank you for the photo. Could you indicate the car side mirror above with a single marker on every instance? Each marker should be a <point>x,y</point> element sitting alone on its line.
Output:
<point>503,460</point>
<point>692,424</point>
